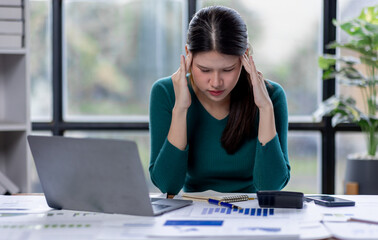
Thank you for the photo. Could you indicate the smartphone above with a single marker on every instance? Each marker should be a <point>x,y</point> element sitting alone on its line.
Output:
<point>330,201</point>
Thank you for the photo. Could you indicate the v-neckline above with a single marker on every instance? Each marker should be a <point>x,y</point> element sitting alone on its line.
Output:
<point>203,107</point>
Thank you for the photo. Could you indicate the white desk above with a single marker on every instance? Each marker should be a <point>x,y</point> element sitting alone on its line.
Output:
<point>34,220</point>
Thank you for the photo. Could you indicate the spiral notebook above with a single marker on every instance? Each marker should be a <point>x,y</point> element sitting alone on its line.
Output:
<point>224,197</point>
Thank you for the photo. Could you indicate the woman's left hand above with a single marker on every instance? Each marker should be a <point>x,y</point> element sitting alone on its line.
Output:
<point>260,92</point>
<point>267,126</point>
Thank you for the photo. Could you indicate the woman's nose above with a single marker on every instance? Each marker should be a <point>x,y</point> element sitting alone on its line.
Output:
<point>216,80</point>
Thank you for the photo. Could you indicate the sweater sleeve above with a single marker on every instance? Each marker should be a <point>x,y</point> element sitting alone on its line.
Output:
<point>272,169</point>
<point>168,164</point>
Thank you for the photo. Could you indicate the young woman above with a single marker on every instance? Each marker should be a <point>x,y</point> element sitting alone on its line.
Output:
<point>223,127</point>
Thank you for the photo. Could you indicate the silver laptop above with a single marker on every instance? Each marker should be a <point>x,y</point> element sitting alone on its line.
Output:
<point>98,175</point>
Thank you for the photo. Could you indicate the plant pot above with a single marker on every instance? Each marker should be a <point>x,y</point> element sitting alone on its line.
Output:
<point>364,172</point>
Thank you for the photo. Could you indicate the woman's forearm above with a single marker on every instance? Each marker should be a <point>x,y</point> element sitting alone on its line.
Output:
<point>177,135</point>
<point>267,126</point>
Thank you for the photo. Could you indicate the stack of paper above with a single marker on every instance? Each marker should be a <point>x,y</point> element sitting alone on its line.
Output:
<point>11,24</point>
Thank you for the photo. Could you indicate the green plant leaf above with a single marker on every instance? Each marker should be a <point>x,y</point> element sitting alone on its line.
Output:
<point>326,62</point>
<point>349,60</point>
<point>329,74</point>
<point>325,108</point>
<point>363,40</point>
<point>343,109</point>
<point>339,118</point>
<point>332,45</point>
<point>353,28</point>
<point>361,49</point>
<point>355,82</point>
<point>371,27</point>
<point>351,73</point>
<point>366,43</point>
<point>371,61</point>
<point>369,14</point>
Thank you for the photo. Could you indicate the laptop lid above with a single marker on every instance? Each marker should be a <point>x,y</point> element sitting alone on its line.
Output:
<point>99,175</point>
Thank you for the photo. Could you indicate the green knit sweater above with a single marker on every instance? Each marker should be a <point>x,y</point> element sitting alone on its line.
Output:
<point>205,164</point>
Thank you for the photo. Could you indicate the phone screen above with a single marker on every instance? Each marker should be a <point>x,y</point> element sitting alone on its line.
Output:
<point>330,201</point>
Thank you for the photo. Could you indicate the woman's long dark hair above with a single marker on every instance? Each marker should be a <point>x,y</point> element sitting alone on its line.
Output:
<point>222,29</point>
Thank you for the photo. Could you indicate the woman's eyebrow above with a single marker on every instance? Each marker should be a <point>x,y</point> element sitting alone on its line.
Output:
<point>231,66</point>
<point>200,66</point>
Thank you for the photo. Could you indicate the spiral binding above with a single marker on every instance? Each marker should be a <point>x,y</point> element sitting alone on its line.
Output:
<point>236,198</point>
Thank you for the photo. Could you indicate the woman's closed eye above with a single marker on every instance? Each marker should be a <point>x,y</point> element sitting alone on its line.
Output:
<point>224,70</point>
<point>204,70</point>
<point>228,70</point>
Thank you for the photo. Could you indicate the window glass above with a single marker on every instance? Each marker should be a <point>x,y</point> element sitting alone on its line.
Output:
<point>40,60</point>
<point>285,37</point>
<point>303,156</point>
<point>114,50</point>
<point>141,138</point>
<point>347,10</point>
<point>346,144</point>
<point>349,143</point>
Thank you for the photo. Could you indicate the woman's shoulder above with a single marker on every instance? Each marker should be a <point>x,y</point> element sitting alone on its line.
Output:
<point>163,85</point>
<point>275,89</point>
<point>165,82</point>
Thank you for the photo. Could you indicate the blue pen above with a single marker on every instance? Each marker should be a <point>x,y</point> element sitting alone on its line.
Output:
<point>223,204</point>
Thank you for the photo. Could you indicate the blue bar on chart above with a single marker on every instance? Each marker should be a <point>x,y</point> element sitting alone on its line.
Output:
<point>211,210</point>
<point>260,212</point>
<point>204,211</point>
<point>246,212</point>
<point>193,223</point>
<point>271,211</point>
<point>265,212</point>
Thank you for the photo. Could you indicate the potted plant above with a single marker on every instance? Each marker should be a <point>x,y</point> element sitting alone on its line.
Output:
<point>360,71</point>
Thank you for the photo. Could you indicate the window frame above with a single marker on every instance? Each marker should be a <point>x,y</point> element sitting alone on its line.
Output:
<point>58,126</point>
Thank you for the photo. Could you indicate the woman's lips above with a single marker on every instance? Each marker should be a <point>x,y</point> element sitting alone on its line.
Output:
<point>216,93</point>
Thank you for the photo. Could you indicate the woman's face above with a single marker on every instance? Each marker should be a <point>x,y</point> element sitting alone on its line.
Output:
<point>215,74</point>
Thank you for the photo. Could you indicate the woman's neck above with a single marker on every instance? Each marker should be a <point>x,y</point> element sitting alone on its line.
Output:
<point>218,109</point>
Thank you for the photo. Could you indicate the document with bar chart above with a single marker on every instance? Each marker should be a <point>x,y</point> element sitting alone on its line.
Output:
<point>204,219</point>
<point>196,227</point>
<point>252,210</point>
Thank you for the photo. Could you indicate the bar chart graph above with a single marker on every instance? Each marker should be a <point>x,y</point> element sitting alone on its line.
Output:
<point>253,212</point>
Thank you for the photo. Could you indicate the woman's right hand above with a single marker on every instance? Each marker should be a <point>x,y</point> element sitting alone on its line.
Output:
<point>180,84</point>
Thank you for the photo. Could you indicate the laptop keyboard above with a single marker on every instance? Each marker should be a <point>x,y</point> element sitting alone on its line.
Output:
<point>154,199</point>
<point>158,207</point>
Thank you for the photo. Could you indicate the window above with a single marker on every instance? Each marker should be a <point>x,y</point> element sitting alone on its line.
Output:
<point>40,60</point>
<point>347,10</point>
<point>346,144</point>
<point>286,45</point>
<point>114,51</point>
<point>349,142</point>
<point>93,63</point>
<point>304,152</point>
